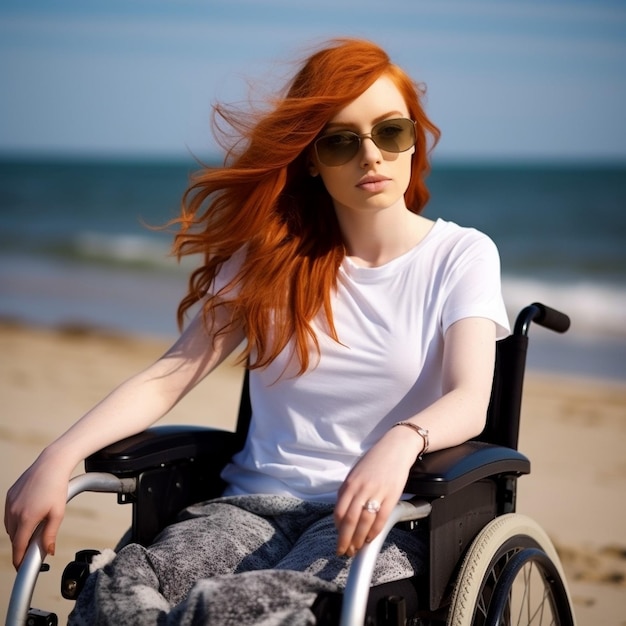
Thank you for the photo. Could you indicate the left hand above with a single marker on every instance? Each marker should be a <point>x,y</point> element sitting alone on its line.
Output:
<point>380,476</point>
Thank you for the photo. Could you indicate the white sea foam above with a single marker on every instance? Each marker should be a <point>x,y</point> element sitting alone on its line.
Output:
<point>124,248</point>
<point>595,308</point>
<point>149,251</point>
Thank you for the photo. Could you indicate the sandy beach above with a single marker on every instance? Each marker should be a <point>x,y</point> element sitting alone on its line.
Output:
<point>573,430</point>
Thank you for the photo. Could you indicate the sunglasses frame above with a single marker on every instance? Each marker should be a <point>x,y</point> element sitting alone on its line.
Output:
<point>360,138</point>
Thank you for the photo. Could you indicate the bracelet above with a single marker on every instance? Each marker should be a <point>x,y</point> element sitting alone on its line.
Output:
<point>422,432</point>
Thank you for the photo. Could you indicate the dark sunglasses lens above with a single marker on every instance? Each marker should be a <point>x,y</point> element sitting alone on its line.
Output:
<point>397,135</point>
<point>337,149</point>
<point>394,135</point>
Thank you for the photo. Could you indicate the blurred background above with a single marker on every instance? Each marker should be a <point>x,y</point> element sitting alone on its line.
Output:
<point>105,108</point>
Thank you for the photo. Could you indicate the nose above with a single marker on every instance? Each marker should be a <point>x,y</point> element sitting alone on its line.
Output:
<point>369,151</point>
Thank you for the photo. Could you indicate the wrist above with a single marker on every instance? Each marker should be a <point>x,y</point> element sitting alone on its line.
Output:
<point>406,446</point>
<point>420,432</point>
<point>58,455</point>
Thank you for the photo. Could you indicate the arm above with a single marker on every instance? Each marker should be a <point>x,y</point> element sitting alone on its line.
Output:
<point>381,474</point>
<point>40,493</point>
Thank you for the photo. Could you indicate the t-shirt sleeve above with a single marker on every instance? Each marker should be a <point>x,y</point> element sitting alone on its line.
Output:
<point>473,284</point>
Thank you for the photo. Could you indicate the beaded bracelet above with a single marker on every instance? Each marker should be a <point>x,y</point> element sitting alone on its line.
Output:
<point>422,432</point>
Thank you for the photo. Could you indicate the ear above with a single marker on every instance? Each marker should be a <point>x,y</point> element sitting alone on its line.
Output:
<point>313,171</point>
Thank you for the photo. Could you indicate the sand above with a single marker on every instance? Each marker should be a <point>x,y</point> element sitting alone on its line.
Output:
<point>573,430</point>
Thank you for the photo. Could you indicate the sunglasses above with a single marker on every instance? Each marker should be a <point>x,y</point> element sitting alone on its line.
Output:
<point>397,135</point>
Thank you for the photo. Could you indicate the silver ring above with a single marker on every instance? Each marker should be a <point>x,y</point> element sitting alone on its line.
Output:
<point>372,506</point>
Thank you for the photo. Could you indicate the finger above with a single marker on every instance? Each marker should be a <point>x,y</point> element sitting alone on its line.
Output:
<point>346,525</point>
<point>9,515</point>
<point>20,543</point>
<point>341,508</point>
<point>360,525</point>
<point>50,531</point>
<point>380,520</point>
<point>24,533</point>
<point>370,524</point>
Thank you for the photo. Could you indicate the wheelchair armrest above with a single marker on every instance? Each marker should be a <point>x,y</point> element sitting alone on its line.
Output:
<point>438,474</point>
<point>162,445</point>
<point>444,472</point>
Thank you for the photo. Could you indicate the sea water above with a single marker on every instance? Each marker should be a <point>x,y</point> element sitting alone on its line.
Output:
<point>77,246</point>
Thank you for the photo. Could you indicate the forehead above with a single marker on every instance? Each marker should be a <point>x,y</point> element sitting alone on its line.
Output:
<point>376,102</point>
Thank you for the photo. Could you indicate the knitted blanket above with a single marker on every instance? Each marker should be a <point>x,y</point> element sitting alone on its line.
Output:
<point>254,560</point>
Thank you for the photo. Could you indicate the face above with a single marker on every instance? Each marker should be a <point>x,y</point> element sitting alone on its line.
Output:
<point>373,179</point>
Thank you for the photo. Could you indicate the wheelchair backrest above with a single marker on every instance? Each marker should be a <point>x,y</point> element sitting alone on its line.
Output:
<point>503,414</point>
<point>502,426</point>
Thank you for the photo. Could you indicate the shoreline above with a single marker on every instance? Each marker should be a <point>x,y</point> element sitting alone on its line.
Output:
<point>575,354</point>
<point>573,429</point>
<point>135,300</point>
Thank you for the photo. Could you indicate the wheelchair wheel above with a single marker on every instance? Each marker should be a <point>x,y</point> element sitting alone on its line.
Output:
<point>511,576</point>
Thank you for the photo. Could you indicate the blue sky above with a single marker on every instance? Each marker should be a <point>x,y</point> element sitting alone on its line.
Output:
<point>507,79</point>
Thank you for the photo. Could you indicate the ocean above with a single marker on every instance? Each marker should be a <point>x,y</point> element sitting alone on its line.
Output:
<point>77,247</point>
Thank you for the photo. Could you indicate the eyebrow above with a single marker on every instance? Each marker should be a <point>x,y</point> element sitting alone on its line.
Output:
<point>380,118</point>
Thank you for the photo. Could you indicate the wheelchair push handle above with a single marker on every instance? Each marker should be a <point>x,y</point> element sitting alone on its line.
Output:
<point>544,316</point>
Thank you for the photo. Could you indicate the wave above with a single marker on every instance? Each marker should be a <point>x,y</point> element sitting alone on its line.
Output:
<point>596,305</point>
<point>595,308</point>
<point>123,249</point>
<point>143,251</point>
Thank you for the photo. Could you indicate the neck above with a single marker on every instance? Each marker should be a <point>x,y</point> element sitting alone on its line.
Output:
<point>376,238</point>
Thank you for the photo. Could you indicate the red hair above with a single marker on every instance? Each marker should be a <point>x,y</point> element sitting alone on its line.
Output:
<point>264,199</point>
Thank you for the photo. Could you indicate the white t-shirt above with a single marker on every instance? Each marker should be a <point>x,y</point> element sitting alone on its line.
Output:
<point>308,431</point>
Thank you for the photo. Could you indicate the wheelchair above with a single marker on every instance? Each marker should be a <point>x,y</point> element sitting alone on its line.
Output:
<point>488,565</point>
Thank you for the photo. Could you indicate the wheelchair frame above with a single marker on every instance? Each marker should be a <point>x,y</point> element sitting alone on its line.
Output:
<point>465,495</point>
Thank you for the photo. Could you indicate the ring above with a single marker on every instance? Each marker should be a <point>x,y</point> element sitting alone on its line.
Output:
<point>372,506</point>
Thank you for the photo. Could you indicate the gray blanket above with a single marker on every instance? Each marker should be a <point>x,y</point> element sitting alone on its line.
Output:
<point>245,560</point>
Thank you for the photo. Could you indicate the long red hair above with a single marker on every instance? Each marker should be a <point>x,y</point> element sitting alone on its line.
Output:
<point>264,199</point>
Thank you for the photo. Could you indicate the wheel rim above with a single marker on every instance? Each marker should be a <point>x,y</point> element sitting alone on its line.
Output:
<point>529,591</point>
<point>522,588</point>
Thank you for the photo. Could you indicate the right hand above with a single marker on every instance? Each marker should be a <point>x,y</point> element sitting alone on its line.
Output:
<point>380,474</point>
<point>39,495</point>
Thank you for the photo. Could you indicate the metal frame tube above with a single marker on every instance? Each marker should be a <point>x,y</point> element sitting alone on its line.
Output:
<point>357,588</point>
<point>28,572</point>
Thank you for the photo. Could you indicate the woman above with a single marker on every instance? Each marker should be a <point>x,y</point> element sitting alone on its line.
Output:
<point>369,331</point>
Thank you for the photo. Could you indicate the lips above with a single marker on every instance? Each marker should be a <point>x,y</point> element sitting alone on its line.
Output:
<point>373,184</point>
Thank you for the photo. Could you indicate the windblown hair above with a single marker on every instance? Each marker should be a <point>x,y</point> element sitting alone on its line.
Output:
<point>264,201</point>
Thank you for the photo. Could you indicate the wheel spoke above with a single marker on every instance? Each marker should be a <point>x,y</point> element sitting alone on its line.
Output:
<point>518,582</point>
<point>529,601</point>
